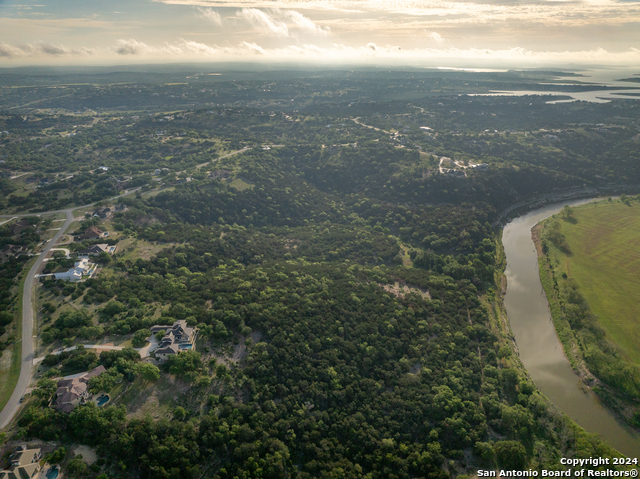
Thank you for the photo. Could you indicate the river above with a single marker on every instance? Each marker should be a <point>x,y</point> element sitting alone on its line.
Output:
<point>540,350</point>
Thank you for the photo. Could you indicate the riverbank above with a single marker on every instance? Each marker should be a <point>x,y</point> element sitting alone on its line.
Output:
<point>562,327</point>
<point>591,338</point>
<point>540,350</point>
<point>536,202</point>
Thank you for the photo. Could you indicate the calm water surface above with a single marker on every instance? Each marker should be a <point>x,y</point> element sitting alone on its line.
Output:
<point>540,350</point>
<point>606,76</point>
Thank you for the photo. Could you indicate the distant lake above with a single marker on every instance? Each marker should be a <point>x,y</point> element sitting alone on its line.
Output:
<point>620,90</point>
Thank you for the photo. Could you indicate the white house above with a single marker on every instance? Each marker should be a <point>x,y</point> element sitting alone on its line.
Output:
<point>80,268</point>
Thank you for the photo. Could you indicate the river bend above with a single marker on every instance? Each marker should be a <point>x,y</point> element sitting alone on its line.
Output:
<point>540,350</point>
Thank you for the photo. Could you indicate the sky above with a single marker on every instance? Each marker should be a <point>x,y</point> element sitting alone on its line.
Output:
<point>464,33</point>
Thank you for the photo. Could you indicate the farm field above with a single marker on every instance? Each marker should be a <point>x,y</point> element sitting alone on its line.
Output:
<point>604,260</point>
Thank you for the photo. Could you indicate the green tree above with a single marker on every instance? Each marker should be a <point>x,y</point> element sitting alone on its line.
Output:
<point>140,338</point>
<point>510,455</point>
<point>149,372</point>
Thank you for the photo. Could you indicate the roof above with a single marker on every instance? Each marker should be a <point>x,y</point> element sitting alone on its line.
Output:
<point>73,393</point>
<point>95,249</point>
<point>180,326</point>
<point>92,231</point>
<point>27,472</point>
<point>170,349</point>
<point>159,327</point>
<point>22,458</point>
<point>66,408</point>
<point>95,372</point>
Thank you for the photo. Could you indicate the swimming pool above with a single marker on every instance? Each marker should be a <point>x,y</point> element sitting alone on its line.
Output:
<point>52,473</point>
<point>102,400</point>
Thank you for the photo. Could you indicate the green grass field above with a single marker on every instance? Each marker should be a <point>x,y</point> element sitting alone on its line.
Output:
<point>605,263</point>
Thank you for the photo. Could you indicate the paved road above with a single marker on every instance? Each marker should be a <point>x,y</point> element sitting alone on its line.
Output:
<point>65,211</point>
<point>12,407</point>
<point>143,351</point>
<point>27,331</point>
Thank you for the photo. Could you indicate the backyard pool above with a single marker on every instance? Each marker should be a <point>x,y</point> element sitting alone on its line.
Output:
<point>52,473</point>
<point>102,400</point>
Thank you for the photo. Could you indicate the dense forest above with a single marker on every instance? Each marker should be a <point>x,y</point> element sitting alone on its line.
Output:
<point>347,289</point>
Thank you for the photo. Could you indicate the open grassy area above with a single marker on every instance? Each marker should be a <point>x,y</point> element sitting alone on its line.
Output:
<point>12,356</point>
<point>240,184</point>
<point>604,260</point>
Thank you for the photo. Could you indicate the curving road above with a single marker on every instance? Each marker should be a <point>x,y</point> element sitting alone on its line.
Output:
<point>13,405</point>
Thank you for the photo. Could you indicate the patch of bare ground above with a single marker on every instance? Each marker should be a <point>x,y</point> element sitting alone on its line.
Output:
<point>146,220</point>
<point>146,252</point>
<point>233,353</point>
<point>402,289</point>
<point>144,398</point>
<point>291,243</point>
<point>88,454</point>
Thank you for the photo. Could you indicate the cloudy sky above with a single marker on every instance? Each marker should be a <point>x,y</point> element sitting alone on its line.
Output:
<point>478,33</point>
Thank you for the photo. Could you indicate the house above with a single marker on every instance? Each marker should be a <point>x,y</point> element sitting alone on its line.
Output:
<point>224,174</point>
<point>102,212</point>
<point>24,464</point>
<point>24,456</point>
<point>80,269</point>
<point>92,233</point>
<point>177,338</point>
<point>95,250</point>
<point>121,207</point>
<point>72,392</point>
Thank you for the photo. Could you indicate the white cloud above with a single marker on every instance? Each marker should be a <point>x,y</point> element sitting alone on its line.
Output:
<point>10,51</point>
<point>265,22</point>
<point>305,24</point>
<point>211,15</point>
<point>40,49</point>
<point>436,37</point>
<point>132,50</point>
<point>131,47</point>
<point>251,48</point>
<point>282,23</point>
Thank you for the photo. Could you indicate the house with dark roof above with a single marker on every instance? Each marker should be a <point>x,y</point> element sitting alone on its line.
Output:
<point>224,174</point>
<point>92,233</point>
<point>96,249</point>
<point>102,212</point>
<point>177,338</point>
<point>74,391</point>
<point>24,464</point>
